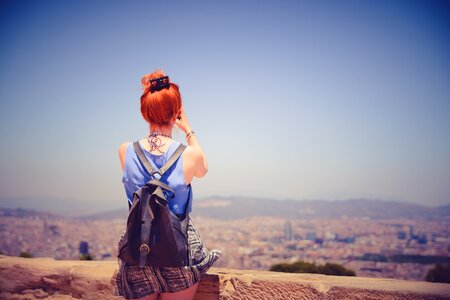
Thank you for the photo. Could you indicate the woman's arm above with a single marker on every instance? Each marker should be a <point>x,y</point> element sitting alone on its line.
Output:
<point>200,158</point>
<point>193,150</point>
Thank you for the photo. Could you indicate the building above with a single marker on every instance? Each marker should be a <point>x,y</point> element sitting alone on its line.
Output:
<point>288,230</point>
<point>84,247</point>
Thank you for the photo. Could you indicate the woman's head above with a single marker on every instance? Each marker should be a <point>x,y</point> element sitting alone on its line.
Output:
<point>159,107</point>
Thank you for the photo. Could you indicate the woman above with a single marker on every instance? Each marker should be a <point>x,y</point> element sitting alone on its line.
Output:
<point>162,108</point>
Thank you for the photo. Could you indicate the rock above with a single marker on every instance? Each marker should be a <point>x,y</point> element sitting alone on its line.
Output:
<point>39,278</point>
<point>37,293</point>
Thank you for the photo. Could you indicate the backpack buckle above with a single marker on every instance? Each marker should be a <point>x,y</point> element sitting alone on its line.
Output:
<point>159,175</point>
<point>145,247</point>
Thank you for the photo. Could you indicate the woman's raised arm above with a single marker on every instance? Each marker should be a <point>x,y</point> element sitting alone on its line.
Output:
<point>201,164</point>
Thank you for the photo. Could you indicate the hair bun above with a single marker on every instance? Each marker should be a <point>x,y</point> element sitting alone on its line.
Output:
<point>159,83</point>
<point>147,79</point>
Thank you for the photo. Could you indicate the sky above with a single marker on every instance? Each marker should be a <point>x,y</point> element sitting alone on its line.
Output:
<point>289,99</point>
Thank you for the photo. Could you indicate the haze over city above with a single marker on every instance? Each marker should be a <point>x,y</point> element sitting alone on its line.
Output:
<point>325,100</point>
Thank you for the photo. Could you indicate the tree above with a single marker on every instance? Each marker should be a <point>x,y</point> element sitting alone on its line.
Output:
<point>296,267</point>
<point>440,273</point>
<point>305,267</point>
<point>86,257</point>
<point>25,254</point>
<point>335,269</point>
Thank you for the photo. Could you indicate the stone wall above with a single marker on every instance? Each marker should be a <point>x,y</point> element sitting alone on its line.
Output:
<point>46,278</point>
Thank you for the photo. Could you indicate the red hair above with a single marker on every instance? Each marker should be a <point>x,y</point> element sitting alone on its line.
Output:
<point>160,106</point>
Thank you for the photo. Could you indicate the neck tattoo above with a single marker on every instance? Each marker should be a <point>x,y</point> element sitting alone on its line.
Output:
<point>155,141</point>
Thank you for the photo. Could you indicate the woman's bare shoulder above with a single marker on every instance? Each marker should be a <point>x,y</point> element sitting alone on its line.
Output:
<point>191,152</point>
<point>124,146</point>
<point>123,150</point>
<point>192,155</point>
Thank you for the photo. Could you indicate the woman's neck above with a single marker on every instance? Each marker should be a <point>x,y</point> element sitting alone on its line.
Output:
<point>167,130</point>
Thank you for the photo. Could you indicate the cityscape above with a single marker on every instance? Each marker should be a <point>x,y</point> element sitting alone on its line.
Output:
<point>401,248</point>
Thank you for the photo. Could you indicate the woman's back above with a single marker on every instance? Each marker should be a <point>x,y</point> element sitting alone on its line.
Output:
<point>135,175</point>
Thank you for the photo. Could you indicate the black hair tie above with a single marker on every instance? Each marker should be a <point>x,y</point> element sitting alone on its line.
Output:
<point>160,83</point>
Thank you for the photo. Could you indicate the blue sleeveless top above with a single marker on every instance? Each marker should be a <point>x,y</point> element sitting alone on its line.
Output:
<point>135,176</point>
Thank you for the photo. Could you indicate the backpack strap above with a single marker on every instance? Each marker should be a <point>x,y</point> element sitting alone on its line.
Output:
<point>143,159</point>
<point>172,159</point>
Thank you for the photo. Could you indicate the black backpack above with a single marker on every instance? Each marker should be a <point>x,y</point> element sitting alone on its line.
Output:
<point>154,234</point>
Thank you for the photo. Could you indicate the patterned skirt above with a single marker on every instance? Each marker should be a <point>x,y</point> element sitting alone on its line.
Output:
<point>132,282</point>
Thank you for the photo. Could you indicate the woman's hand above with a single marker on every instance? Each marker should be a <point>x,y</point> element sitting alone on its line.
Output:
<point>183,122</point>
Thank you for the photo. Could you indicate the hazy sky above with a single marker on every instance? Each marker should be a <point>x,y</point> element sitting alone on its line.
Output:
<point>289,99</point>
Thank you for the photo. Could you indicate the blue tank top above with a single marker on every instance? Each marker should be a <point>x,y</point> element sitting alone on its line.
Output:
<point>135,176</point>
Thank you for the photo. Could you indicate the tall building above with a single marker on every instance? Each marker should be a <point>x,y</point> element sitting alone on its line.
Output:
<point>411,231</point>
<point>288,230</point>
<point>84,247</point>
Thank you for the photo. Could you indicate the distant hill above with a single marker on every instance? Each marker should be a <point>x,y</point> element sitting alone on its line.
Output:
<point>227,208</point>
<point>107,215</point>
<point>64,206</point>
<point>235,207</point>
<point>21,212</point>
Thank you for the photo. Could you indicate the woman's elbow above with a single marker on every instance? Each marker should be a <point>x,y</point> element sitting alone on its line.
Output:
<point>202,165</point>
<point>201,173</point>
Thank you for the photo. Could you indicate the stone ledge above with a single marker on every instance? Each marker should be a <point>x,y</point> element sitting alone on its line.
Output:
<point>38,278</point>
